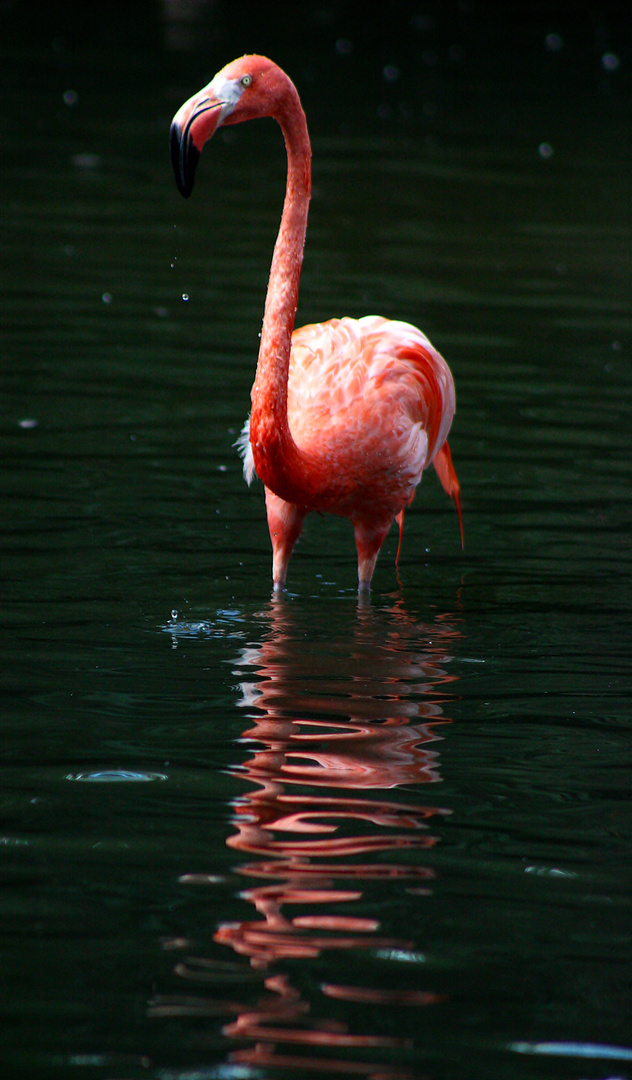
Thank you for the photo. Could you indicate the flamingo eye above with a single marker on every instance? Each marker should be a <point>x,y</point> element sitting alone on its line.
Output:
<point>246,80</point>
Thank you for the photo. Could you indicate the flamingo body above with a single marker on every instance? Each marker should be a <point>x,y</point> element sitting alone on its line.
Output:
<point>346,414</point>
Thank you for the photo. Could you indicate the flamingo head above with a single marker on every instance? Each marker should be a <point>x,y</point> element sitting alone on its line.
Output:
<point>247,88</point>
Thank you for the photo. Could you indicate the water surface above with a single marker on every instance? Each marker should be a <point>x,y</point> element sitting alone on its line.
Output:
<point>312,837</point>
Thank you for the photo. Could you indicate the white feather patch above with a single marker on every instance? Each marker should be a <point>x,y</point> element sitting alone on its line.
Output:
<point>245,449</point>
<point>228,91</point>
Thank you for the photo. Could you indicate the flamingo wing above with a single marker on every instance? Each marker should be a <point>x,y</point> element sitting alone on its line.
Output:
<point>372,401</point>
<point>371,397</point>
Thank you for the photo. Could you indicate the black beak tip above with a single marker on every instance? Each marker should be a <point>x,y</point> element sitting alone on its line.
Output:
<point>184,158</point>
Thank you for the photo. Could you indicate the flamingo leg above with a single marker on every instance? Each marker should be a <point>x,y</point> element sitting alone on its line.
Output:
<point>400,521</point>
<point>369,540</point>
<point>285,522</point>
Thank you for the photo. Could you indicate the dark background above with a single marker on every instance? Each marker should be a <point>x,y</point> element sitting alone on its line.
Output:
<point>353,66</point>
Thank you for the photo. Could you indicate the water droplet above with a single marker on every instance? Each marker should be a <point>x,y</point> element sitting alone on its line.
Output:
<point>343,46</point>
<point>545,150</point>
<point>422,23</point>
<point>174,614</point>
<point>610,61</point>
<point>86,161</point>
<point>553,42</point>
<point>107,298</point>
<point>185,296</point>
<point>70,97</point>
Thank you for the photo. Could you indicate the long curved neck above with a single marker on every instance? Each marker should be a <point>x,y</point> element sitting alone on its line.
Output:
<point>278,461</point>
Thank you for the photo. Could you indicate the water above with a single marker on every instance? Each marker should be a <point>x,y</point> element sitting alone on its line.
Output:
<point>312,837</point>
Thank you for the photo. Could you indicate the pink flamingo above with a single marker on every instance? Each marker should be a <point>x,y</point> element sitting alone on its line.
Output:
<point>346,414</point>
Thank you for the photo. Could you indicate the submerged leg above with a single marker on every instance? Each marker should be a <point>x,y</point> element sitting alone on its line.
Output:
<point>285,521</point>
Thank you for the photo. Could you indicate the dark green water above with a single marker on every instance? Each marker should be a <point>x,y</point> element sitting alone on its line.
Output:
<point>307,838</point>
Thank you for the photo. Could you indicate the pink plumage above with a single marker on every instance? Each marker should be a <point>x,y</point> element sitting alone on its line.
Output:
<point>347,414</point>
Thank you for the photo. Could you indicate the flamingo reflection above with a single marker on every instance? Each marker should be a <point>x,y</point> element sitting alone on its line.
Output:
<point>331,726</point>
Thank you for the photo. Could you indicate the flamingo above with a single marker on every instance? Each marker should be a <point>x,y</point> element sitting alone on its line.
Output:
<point>346,414</point>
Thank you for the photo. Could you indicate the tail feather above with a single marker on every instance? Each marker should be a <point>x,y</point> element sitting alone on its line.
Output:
<point>449,481</point>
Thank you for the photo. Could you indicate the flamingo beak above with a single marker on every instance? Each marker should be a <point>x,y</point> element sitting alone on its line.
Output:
<point>192,126</point>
